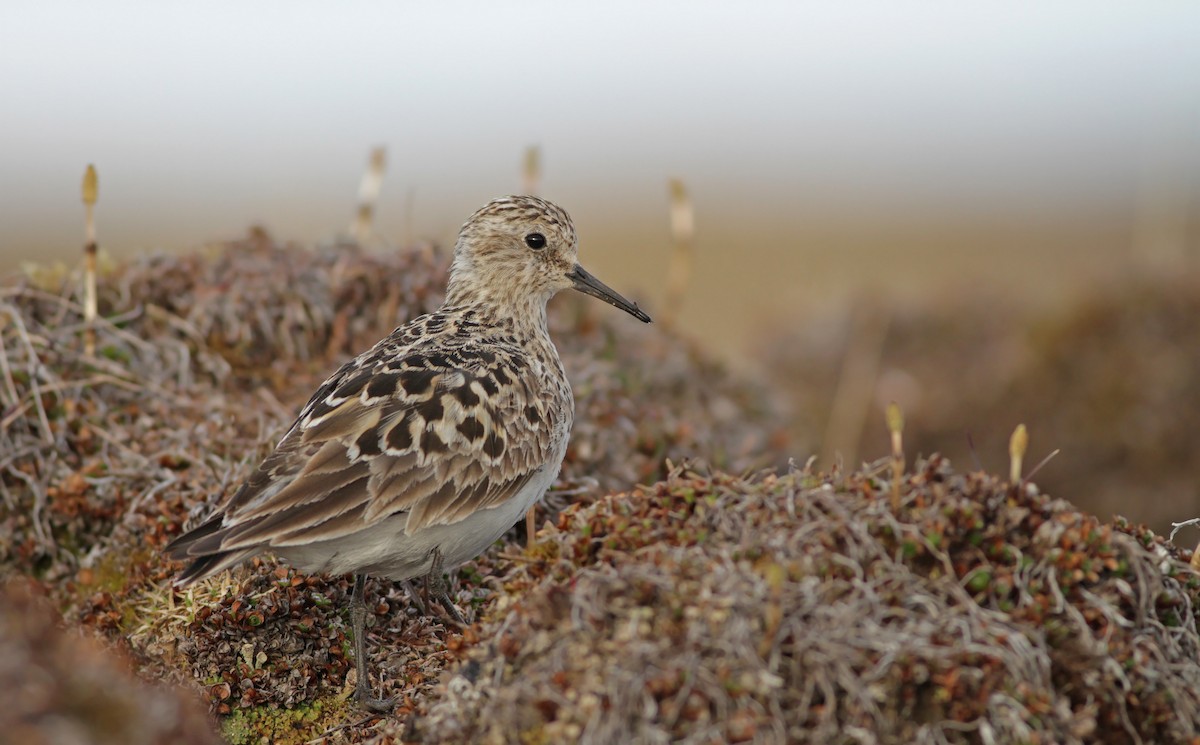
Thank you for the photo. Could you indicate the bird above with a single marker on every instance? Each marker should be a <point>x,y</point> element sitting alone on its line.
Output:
<point>426,448</point>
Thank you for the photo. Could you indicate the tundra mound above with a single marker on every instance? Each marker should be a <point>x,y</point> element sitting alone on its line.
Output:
<point>804,608</point>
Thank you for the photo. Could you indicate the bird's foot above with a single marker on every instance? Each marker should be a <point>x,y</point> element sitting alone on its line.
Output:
<point>366,699</point>
<point>362,684</point>
<point>436,585</point>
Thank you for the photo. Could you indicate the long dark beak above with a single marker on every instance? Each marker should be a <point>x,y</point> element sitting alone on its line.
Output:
<point>589,285</point>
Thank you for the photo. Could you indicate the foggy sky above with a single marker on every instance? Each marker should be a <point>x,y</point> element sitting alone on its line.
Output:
<point>205,117</point>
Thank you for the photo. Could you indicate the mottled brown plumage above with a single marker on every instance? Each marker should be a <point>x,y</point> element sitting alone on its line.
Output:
<point>431,444</point>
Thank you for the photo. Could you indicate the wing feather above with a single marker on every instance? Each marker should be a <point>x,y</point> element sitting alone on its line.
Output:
<point>433,435</point>
<point>291,521</point>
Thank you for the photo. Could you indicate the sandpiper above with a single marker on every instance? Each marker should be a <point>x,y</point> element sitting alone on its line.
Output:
<point>426,448</point>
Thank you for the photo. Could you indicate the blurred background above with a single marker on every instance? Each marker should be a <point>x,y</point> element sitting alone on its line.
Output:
<point>857,171</point>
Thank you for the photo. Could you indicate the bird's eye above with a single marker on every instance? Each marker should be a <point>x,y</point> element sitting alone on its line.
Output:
<point>535,241</point>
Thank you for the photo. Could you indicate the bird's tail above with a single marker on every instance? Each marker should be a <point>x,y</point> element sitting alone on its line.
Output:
<point>196,546</point>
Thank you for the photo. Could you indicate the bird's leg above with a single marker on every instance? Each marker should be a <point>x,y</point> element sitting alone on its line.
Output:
<point>422,606</point>
<point>358,618</point>
<point>530,526</point>
<point>436,585</point>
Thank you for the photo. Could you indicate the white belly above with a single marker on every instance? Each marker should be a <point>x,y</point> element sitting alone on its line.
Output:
<point>384,550</point>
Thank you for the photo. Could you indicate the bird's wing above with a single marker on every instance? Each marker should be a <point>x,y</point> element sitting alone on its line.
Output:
<point>438,436</point>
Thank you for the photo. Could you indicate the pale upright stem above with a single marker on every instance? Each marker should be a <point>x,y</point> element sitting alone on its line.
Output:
<point>410,207</point>
<point>368,194</point>
<point>679,272</point>
<point>531,171</point>
<point>895,425</point>
<point>1018,444</point>
<point>91,192</point>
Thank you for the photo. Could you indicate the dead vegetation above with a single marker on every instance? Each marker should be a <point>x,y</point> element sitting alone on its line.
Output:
<point>890,604</point>
<point>804,608</point>
<point>201,360</point>
<point>903,605</point>
<point>1109,378</point>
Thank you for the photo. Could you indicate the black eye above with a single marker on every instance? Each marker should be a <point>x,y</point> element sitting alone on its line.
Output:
<point>535,241</point>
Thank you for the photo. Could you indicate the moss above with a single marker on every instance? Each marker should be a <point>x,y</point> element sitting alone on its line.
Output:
<point>110,572</point>
<point>115,354</point>
<point>262,724</point>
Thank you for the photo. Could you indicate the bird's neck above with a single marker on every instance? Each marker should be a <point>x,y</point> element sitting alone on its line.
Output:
<point>524,312</point>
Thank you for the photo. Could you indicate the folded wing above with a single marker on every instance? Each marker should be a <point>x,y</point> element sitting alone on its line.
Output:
<point>436,439</point>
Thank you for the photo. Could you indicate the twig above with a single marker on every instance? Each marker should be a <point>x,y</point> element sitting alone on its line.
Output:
<point>974,452</point>
<point>10,386</point>
<point>14,413</point>
<point>1042,462</point>
<point>281,412</point>
<point>148,496</point>
<point>129,385</point>
<point>116,442</point>
<point>342,727</point>
<point>35,364</point>
<point>39,505</point>
<point>1176,527</point>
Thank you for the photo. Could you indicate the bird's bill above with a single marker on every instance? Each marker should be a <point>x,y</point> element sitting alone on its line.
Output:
<point>589,285</point>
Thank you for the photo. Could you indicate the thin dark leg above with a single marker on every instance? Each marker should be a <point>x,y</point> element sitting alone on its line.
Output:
<point>358,618</point>
<point>530,526</point>
<point>422,607</point>
<point>437,586</point>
